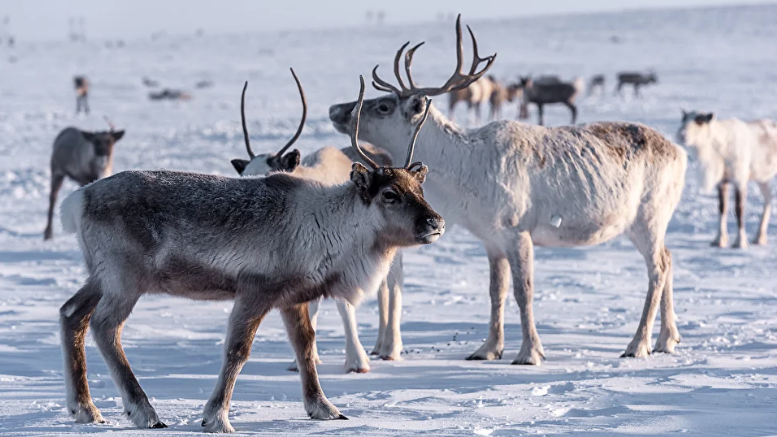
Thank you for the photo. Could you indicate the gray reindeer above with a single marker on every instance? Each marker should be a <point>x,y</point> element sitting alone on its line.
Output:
<point>265,242</point>
<point>549,92</point>
<point>83,157</point>
<point>635,79</point>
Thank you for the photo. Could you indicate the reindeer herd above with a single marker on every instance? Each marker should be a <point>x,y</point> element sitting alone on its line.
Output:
<point>292,230</point>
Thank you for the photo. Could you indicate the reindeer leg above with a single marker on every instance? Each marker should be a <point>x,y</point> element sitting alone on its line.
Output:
<point>521,257</point>
<point>56,184</point>
<point>618,89</point>
<point>356,360</point>
<point>313,307</point>
<point>243,322</point>
<point>383,309</point>
<point>392,346</point>
<point>573,109</point>
<point>74,321</point>
<point>740,197</point>
<point>766,192</point>
<point>499,283</point>
<point>302,337</point>
<point>649,242</point>
<point>669,336</point>
<point>107,323</point>
<point>722,239</point>
<point>541,115</point>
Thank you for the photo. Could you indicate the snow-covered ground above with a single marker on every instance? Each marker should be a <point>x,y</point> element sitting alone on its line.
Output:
<point>722,381</point>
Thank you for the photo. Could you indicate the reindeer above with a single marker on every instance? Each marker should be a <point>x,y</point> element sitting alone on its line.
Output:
<point>597,81</point>
<point>273,242</point>
<point>331,166</point>
<point>500,95</point>
<point>82,94</point>
<point>169,94</point>
<point>636,79</point>
<point>549,92</point>
<point>514,186</point>
<point>733,151</point>
<point>81,156</point>
<point>475,94</point>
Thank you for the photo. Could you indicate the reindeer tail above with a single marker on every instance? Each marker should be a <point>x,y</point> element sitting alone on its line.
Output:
<point>72,211</point>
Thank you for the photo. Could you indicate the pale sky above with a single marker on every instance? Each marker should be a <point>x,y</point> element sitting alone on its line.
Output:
<point>48,19</point>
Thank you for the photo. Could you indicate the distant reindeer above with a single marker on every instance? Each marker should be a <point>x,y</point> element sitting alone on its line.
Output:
<point>477,93</point>
<point>331,166</point>
<point>551,92</point>
<point>169,94</point>
<point>270,242</point>
<point>597,81</point>
<point>514,186</point>
<point>150,82</point>
<point>82,94</point>
<point>81,156</point>
<point>733,151</point>
<point>636,79</point>
<point>501,94</point>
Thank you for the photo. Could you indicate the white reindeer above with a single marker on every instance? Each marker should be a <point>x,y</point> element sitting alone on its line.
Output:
<point>331,166</point>
<point>273,242</point>
<point>515,186</point>
<point>733,151</point>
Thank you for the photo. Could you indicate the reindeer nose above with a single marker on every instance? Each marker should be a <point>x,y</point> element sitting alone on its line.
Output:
<point>436,223</point>
<point>341,113</point>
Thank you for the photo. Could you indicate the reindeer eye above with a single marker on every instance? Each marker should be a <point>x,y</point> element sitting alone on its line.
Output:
<point>383,108</point>
<point>390,197</point>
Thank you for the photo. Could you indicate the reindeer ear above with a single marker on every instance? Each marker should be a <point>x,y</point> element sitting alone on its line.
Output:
<point>362,178</point>
<point>89,136</point>
<point>685,114</point>
<point>709,117</point>
<point>117,135</point>
<point>240,165</point>
<point>415,105</point>
<point>290,161</point>
<point>419,173</point>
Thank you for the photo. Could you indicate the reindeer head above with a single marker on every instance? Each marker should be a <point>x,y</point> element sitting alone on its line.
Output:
<point>395,194</point>
<point>103,141</point>
<point>270,162</point>
<point>695,129</point>
<point>389,121</point>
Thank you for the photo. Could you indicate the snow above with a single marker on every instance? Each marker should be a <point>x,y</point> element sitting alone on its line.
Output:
<point>722,381</point>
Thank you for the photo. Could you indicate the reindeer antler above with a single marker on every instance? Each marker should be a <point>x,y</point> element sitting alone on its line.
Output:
<point>457,81</point>
<point>304,115</point>
<point>356,116</point>
<point>243,119</point>
<point>108,120</point>
<point>299,129</point>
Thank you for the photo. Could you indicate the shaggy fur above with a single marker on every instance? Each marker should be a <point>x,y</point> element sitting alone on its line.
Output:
<point>733,151</point>
<point>81,156</point>
<point>331,166</point>
<point>514,186</point>
<point>274,242</point>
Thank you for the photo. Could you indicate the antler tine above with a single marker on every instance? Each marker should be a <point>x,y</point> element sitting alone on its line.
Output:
<point>476,59</point>
<point>409,62</point>
<point>108,120</point>
<point>382,85</point>
<point>411,147</point>
<point>243,119</point>
<point>396,67</point>
<point>355,116</point>
<point>304,114</point>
